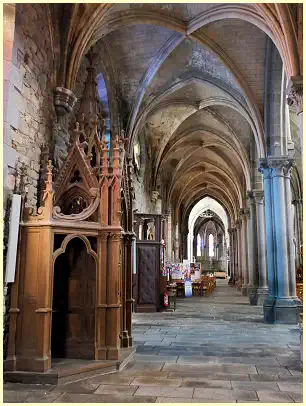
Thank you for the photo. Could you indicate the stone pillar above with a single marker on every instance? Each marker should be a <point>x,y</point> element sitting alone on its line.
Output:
<point>220,246</point>
<point>290,236</point>
<point>252,253</point>
<point>202,246</point>
<point>235,253</point>
<point>184,246</point>
<point>298,219</point>
<point>271,258</point>
<point>262,289</point>
<point>169,236</point>
<point>281,306</point>
<point>238,249</point>
<point>231,261</point>
<point>229,253</point>
<point>177,244</point>
<point>244,250</point>
<point>232,247</point>
<point>295,98</point>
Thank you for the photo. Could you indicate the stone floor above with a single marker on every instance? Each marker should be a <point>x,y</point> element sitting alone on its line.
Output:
<point>211,349</point>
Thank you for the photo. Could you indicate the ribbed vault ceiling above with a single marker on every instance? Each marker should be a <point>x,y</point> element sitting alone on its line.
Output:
<point>197,101</point>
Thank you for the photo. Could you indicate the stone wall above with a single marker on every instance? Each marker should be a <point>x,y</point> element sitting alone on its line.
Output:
<point>143,202</point>
<point>28,108</point>
<point>30,112</point>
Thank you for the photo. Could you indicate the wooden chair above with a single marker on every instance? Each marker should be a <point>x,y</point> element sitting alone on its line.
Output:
<point>196,288</point>
<point>180,289</point>
<point>299,290</point>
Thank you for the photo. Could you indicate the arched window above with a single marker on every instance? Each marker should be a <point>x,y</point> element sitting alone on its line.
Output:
<point>211,251</point>
<point>103,98</point>
<point>137,155</point>
<point>199,245</point>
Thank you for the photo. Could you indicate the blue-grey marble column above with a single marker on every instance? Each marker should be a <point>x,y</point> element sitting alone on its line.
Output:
<point>285,306</point>
<point>269,223</point>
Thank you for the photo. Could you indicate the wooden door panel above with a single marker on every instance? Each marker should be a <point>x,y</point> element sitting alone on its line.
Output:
<point>147,275</point>
<point>147,287</point>
<point>73,327</point>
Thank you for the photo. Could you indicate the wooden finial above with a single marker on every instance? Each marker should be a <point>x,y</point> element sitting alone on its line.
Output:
<point>49,181</point>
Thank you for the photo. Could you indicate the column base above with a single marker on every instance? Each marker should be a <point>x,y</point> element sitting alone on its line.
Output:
<point>258,296</point>
<point>125,339</point>
<point>244,290</point>
<point>282,310</point>
<point>251,292</point>
<point>130,341</point>
<point>238,284</point>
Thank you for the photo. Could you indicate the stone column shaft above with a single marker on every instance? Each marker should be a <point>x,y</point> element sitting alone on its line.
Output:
<point>284,307</point>
<point>239,265</point>
<point>262,280</point>
<point>231,261</point>
<point>251,228</point>
<point>236,254</point>
<point>298,218</point>
<point>169,237</point>
<point>291,255</point>
<point>281,232</point>
<point>244,250</point>
<point>266,171</point>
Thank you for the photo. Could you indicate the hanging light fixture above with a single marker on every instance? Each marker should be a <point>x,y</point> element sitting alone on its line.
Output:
<point>207,214</point>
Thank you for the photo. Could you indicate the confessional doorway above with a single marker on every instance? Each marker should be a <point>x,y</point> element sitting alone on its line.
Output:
<point>73,309</point>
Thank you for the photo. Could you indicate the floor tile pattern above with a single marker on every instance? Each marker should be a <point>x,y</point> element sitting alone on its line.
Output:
<point>211,349</point>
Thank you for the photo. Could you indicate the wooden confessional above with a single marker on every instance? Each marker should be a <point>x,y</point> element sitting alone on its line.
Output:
<point>149,281</point>
<point>72,296</point>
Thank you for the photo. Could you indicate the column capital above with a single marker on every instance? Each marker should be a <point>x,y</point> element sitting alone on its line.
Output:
<point>238,224</point>
<point>244,212</point>
<point>258,196</point>
<point>250,196</point>
<point>129,236</point>
<point>295,93</point>
<point>297,202</point>
<point>280,165</point>
<point>64,100</point>
<point>264,167</point>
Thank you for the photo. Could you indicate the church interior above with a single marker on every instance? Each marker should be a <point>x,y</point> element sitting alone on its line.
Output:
<point>153,202</point>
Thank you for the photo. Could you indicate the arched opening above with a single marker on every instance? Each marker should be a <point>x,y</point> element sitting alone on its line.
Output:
<point>203,210</point>
<point>73,308</point>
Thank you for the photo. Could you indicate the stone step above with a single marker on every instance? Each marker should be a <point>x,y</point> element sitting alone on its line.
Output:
<point>68,370</point>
